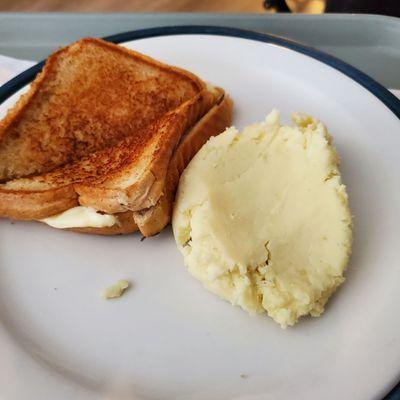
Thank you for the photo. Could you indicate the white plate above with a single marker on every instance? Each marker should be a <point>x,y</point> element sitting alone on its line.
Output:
<point>167,338</point>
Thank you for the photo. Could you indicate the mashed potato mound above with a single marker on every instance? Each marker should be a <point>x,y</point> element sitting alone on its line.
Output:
<point>262,218</point>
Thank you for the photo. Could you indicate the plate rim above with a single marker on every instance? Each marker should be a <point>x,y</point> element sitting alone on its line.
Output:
<point>375,88</point>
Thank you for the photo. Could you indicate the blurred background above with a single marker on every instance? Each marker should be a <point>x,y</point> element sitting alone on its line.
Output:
<point>387,7</point>
<point>252,6</point>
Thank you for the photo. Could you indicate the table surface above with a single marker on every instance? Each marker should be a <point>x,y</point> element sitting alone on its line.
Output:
<point>308,6</point>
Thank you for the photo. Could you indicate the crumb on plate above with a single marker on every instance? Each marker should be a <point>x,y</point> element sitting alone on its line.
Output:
<point>116,290</point>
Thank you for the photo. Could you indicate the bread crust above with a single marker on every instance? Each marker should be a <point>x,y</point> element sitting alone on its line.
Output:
<point>22,205</point>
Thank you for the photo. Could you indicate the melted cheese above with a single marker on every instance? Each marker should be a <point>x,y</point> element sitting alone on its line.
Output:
<point>80,217</point>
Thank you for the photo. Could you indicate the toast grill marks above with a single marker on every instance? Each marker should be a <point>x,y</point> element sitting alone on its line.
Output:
<point>88,96</point>
<point>129,175</point>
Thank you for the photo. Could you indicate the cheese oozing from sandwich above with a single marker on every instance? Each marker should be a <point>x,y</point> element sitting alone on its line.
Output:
<point>262,218</point>
<point>80,217</point>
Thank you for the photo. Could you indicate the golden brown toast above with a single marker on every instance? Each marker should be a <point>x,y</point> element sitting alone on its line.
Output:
<point>108,128</point>
<point>152,220</point>
<point>127,176</point>
<point>89,95</point>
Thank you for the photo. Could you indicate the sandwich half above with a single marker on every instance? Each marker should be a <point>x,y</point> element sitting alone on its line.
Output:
<point>108,129</point>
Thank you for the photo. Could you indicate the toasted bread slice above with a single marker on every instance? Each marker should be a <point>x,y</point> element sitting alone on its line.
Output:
<point>152,220</point>
<point>89,96</point>
<point>127,176</point>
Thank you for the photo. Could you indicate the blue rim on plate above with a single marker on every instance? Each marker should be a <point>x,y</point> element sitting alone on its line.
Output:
<point>364,80</point>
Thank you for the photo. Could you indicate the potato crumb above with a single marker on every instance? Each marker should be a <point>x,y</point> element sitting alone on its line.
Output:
<point>116,290</point>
